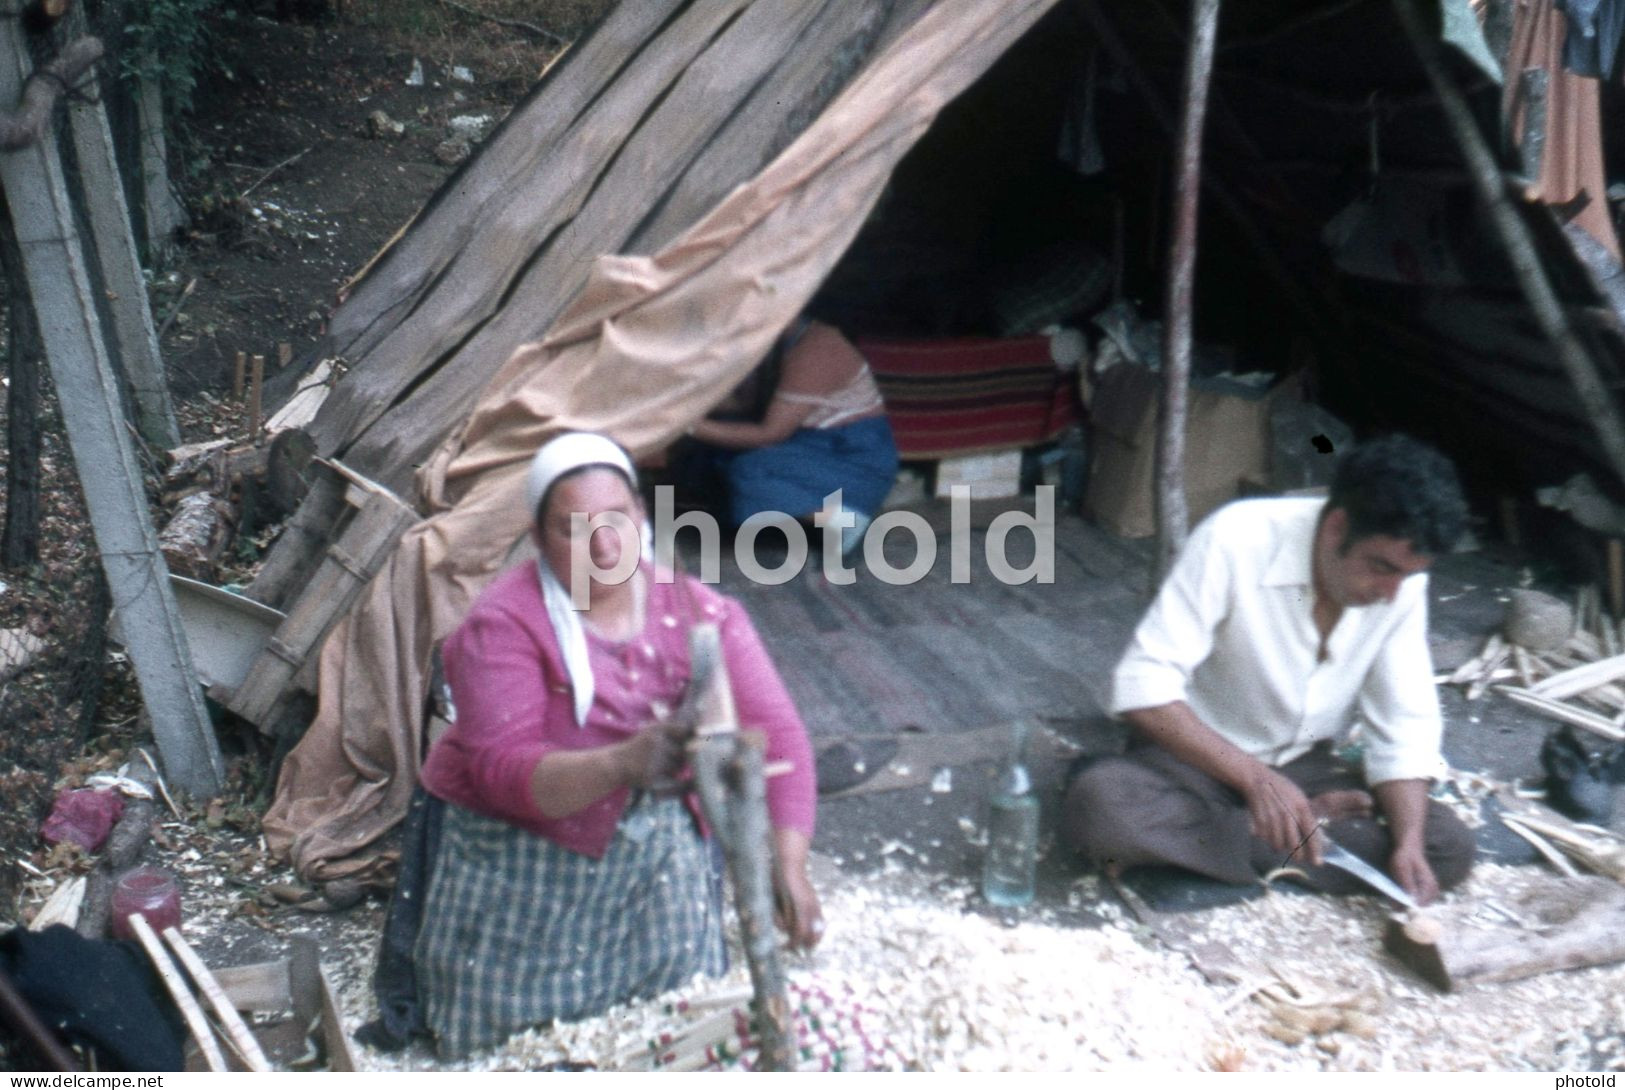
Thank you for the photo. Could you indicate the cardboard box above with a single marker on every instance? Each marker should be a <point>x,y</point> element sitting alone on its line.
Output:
<point>1227,441</point>
<point>990,476</point>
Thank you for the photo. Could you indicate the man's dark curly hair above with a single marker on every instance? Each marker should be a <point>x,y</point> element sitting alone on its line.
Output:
<point>1400,487</point>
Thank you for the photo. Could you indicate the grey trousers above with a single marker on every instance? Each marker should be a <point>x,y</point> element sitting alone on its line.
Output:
<point>1149,807</point>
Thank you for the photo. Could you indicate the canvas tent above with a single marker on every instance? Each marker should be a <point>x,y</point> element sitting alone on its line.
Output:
<point>669,198</point>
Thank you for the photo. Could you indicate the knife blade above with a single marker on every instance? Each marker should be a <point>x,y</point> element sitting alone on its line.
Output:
<point>1340,857</point>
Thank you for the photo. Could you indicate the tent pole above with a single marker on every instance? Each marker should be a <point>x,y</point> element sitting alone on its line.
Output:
<point>1595,399</point>
<point>1173,515</point>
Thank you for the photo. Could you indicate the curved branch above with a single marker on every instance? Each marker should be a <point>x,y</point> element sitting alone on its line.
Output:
<point>22,128</point>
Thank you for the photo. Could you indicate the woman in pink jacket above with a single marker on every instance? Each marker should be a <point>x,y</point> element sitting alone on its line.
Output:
<point>563,884</point>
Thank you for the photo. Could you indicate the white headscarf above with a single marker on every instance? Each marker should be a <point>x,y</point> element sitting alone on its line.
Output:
<point>558,456</point>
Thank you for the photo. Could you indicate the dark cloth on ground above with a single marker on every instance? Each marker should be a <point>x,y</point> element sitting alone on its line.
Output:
<point>395,979</point>
<point>1148,807</point>
<point>519,931</point>
<point>97,993</point>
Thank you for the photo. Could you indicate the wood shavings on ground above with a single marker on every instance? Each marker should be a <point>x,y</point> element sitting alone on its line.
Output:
<point>942,988</point>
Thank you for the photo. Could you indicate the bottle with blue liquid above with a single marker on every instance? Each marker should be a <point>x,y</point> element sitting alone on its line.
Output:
<point>1010,868</point>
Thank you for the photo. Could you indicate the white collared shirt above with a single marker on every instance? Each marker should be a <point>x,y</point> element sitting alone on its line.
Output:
<point>1231,634</point>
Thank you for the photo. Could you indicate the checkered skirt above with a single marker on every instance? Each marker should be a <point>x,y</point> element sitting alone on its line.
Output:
<point>518,931</point>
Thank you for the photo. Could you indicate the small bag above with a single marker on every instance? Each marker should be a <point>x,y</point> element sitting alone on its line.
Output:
<point>1580,777</point>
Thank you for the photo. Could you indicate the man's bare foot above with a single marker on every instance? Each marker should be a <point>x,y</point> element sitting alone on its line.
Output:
<point>1336,805</point>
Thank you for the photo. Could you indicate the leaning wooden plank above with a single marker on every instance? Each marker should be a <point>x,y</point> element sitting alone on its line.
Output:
<point>503,239</point>
<point>241,1037</point>
<point>92,406</point>
<point>340,1055</point>
<point>837,42</point>
<point>108,218</point>
<point>526,145</point>
<point>195,1021</point>
<point>1581,678</point>
<point>350,562</point>
<point>1564,712</point>
<point>650,160</point>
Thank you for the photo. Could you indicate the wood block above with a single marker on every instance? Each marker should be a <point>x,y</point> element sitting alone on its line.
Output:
<point>1558,923</point>
<point>347,565</point>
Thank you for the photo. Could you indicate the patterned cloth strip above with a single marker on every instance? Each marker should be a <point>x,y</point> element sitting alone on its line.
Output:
<point>958,396</point>
<point>519,931</point>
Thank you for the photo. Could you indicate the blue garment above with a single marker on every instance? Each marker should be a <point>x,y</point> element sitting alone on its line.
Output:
<point>1595,29</point>
<point>794,476</point>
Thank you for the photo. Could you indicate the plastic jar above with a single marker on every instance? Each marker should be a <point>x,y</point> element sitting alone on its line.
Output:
<point>151,892</point>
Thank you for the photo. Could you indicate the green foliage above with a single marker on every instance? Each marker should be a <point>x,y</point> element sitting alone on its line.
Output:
<point>168,40</point>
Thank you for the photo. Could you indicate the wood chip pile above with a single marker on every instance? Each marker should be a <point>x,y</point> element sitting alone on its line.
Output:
<point>938,989</point>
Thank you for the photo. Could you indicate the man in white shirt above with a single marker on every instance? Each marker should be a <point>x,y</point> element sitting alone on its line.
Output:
<point>1283,623</point>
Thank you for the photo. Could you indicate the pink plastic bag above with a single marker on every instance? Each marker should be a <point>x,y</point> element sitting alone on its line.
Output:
<point>84,816</point>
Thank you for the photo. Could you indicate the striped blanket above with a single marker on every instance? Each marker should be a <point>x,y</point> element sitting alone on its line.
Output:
<point>964,395</point>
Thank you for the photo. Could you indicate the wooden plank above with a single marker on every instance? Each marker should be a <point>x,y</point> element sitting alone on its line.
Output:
<point>178,991</point>
<point>350,562</point>
<point>833,47</point>
<point>241,1037</point>
<point>1564,713</point>
<point>340,1054</point>
<point>259,987</point>
<point>132,330</point>
<point>92,410</point>
<point>646,161</point>
<point>504,239</point>
<point>507,164</point>
<point>1581,678</point>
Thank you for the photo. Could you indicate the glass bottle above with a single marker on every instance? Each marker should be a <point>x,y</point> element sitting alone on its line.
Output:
<point>150,891</point>
<point>1011,865</point>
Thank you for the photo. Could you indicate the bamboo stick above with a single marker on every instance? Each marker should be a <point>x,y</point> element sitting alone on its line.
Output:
<point>1566,713</point>
<point>1581,678</point>
<point>1541,845</point>
<point>237,375</point>
<point>241,1037</point>
<point>195,1021</point>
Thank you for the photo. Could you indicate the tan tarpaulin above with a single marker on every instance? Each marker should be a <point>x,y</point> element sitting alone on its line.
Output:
<point>1572,160</point>
<point>647,348</point>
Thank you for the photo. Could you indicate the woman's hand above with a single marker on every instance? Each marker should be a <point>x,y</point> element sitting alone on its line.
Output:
<point>795,903</point>
<point>653,759</point>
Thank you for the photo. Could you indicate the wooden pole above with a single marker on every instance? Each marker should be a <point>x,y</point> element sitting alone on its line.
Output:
<point>178,991</point>
<point>732,789</point>
<point>108,218</point>
<point>93,413</point>
<point>256,385</point>
<point>1173,514</point>
<point>1595,398</point>
<point>238,374</point>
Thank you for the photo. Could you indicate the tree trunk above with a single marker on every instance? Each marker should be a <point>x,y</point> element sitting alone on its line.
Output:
<point>19,542</point>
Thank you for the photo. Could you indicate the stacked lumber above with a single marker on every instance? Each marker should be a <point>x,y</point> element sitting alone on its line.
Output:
<point>1580,681</point>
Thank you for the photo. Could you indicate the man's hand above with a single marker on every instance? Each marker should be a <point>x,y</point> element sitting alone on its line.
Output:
<point>1281,815</point>
<point>1409,866</point>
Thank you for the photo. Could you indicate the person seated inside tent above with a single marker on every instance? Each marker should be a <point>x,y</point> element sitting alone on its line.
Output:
<point>1284,622</point>
<point>819,426</point>
<point>570,877</point>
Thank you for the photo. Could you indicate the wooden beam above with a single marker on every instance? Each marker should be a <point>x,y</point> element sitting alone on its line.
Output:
<point>131,329</point>
<point>179,992</point>
<point>1173,513</point>
<point>1596,399</point>
<point>92,409</point>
